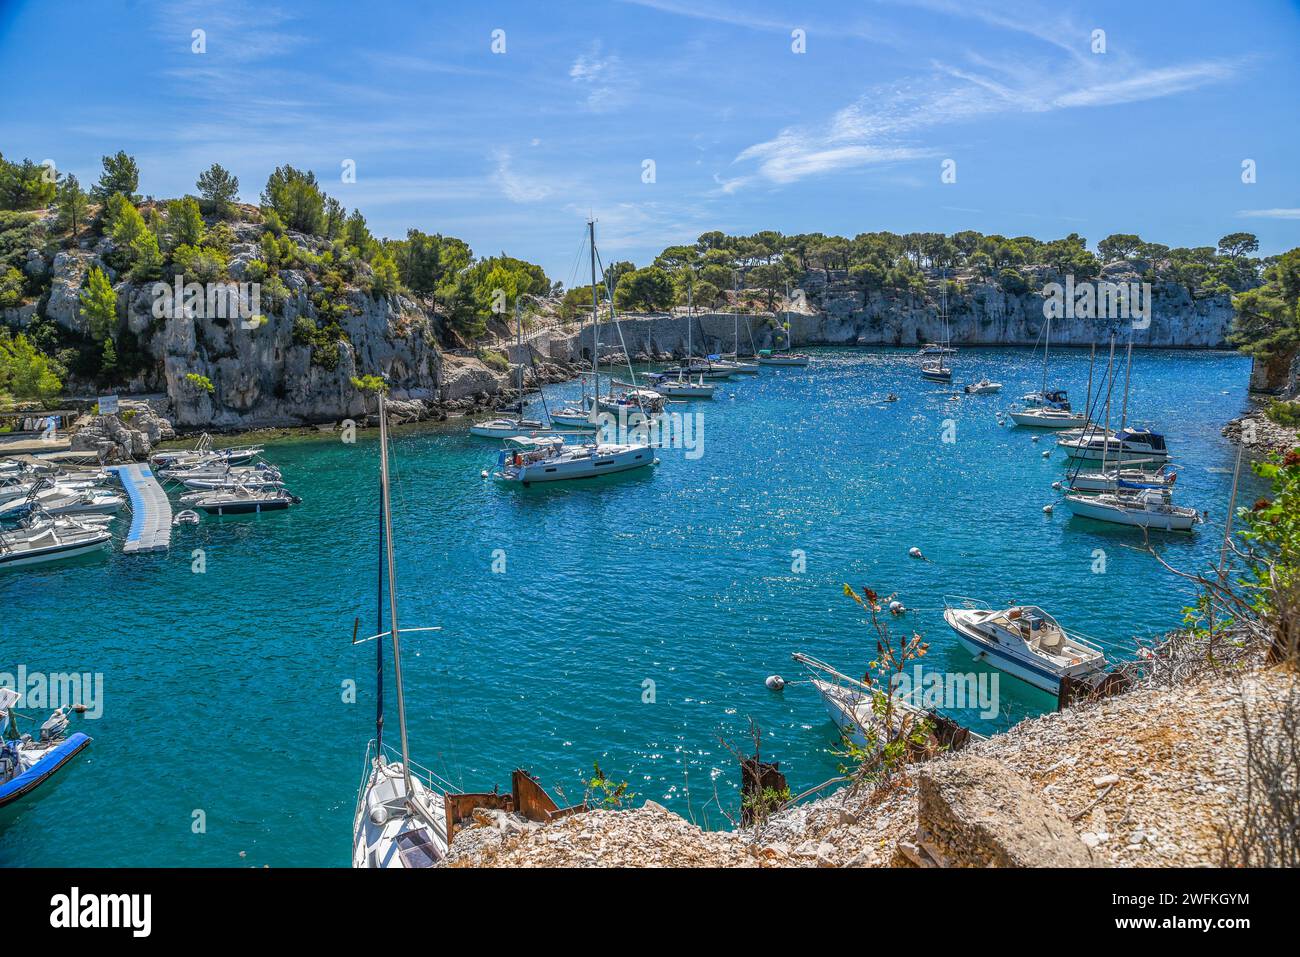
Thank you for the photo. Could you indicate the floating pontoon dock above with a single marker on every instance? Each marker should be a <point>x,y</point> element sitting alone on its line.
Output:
<point>151,512</point>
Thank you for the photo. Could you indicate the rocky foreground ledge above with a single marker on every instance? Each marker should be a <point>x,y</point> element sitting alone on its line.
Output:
<point>1149,779</point>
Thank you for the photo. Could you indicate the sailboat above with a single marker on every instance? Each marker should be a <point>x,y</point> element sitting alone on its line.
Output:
<point>767,357</point>
<point>1044,409</point>
<point>731,361</point>
<point>1135,504</point>
<point>939,371</point>
<point>547,459</point>
<point>501,428</point>
<point>401,817</point>
<point>682,386</point>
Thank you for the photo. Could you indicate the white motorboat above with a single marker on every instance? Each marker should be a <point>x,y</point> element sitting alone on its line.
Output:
<point>984,387</point>
<point>527,460</point>
<point>1145,508</point>
<point>1048,417</point>
<point>50,540</point>
<point>242,500</point>
<point>1058,398</point>
<point>504,428</point>
<point>1023,641</point>
<point>859,710</point>
<point>934,349</point>
<point>56,500</point>
<point>254,477</point>
<point>1126,446</point>
<point>204,454</point>
<point>767,358</point>
<point>401,815</point>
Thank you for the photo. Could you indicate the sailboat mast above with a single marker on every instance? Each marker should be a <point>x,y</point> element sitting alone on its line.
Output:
<point>1128,369</point>
<point>690,319</point>
<point>519,330</point>
<point>595,321</point>
<point>386,500</point>
<point>379,630</point>
<point>1047,347</point>
<point>1105,432</point>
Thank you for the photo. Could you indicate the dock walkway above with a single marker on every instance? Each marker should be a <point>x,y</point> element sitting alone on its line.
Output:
<point>151,512</point>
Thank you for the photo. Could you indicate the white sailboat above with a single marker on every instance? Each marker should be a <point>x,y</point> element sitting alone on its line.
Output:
<point>1047,409</point>
<point>682,386</point>
<point>1141,507</point>
<point>731,361</point>
<point>767,357</point>
<point>504,427</point>
<point>939,370</point>
<point>548,459</point>
<point>401,818</point>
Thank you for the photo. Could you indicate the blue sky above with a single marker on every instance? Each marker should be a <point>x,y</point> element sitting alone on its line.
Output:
<point>511,151</point>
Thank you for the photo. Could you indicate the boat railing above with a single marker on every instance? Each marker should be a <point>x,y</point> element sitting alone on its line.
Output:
<point>965,602</point>
<point>818,665</point>
<point>430,779</point>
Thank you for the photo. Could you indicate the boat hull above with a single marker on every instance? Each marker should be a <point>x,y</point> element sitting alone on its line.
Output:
<point>1033,421</point>
<point>52,554</point>
<point>40,772</point>
<point>1102,511</point>
<point>245,508</point>
<point>784,361</point>
<point>613,460</point>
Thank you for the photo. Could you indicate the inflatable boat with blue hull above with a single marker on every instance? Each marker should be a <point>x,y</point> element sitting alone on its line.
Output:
<point>54,758</point>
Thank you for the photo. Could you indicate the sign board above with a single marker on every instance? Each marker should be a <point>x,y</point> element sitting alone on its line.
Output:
<point>108,405</point>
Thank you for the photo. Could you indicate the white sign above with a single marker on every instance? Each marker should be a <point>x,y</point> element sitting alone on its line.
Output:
<point>108,405</point>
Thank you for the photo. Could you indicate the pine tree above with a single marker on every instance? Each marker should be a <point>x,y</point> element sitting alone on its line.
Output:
<point>219,188</point>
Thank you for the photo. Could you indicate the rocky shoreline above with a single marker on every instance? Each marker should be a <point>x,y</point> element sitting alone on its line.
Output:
<point>1152,778</point>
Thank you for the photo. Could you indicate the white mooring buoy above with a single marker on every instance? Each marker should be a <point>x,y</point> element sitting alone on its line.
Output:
<point>897,607</point>
<point>774,682</point>
<point>1047,510</point>
<point>915,552</point>
<point>483,474</point>
<point>1046,453</point>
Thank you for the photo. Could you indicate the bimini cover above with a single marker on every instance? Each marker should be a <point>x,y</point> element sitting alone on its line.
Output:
<point>713,357</point>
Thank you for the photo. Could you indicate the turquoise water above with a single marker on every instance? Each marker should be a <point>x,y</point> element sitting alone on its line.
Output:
<point>224,691</point>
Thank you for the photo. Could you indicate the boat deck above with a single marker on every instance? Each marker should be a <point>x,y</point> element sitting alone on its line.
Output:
<point>151,512</point>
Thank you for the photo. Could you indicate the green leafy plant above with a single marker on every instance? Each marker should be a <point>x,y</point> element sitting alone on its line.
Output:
<point>607,793</point>
<point>199,383</point>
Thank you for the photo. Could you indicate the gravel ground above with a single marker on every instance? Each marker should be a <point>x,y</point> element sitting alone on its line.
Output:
<point>1151,777</point>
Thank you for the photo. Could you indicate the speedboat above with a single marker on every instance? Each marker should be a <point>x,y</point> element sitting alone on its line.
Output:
<point>548,459</point>
<point>1059,398</point>
<point>27,762</point>
<point>934,349</point>
<point>504,428</point>
<point>1047,417</point>
<point>983,387</point>
<point>1146,508</point>
<point>769,358</point>
<point>1127,445</point>
<point>242,500</point>
<point>49,540</point>
<point>1023,641</point>
<point>63,501</point>
<point>859,710</point>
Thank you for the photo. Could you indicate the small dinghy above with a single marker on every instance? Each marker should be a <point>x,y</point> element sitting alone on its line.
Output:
<point>186,517</point>
<point>27,762</point>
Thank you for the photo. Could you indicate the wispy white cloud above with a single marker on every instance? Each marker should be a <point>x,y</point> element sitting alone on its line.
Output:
<point>516,186</point>
<point>846,25</point>
<point>1275,213</point>
<point>606,82</point>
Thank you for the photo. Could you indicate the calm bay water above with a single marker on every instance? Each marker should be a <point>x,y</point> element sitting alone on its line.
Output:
<point>224,691</point>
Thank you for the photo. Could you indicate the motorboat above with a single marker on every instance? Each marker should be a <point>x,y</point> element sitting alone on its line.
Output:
<point>769,358</point>
<point>504,428</point>
<point>1143,508</point>
<point>527,460</point>
<point>984,387</point>
<point>1023,641</point>
<point>1057,398</point>
<point>26,762</point>
<point>242,500</point>
<point>55,500</point>
<point>865,715</point>
<point>1129,445</point>
<point>934,349</point>
<point>49,540</point>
